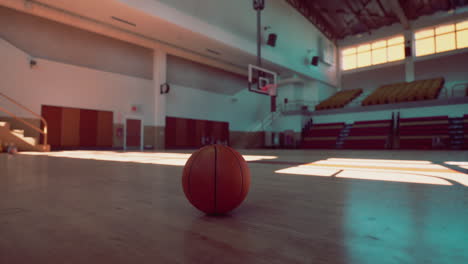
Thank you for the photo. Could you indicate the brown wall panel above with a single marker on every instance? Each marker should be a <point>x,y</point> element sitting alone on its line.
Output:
<point>88,128</point>
<point>53,116</point>
<point>218,132</point>
<point>105,129</point>
<point>70,127</point>
<point>193,133</point>
<point>199,132</point>
<point>226,133</point>
<point>169,141</point>
<point>181,134</point>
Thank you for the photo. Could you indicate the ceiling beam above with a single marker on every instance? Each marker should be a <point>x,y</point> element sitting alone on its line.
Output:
<point>382,8</point>
<point>314,16</point>
<point>357,15</point>
<point>400,13</point>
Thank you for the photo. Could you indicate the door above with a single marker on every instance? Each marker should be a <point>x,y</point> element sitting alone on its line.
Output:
<point>133,134</point>
<point>105,129</point>
<point>70,128</point>
<point>53,116</point>
<point>88,128</point>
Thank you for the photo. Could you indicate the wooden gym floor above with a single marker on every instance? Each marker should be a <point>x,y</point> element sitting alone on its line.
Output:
<point>314,206</point>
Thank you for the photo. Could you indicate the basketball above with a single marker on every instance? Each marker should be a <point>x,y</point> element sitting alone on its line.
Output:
<point>216,179</point>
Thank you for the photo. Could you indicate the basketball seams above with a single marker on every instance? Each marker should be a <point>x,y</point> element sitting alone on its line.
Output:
<point>220,155</point>
<point>241,171</point>
<point>190,174</point>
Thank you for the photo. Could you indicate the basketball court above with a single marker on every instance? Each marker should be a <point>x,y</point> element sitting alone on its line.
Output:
<point>303,207</point>
<point>296,131</point>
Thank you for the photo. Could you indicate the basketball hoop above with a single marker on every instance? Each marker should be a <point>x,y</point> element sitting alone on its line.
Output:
<point>270,89</point>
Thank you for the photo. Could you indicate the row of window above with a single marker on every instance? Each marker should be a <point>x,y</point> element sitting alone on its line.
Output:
<point>427,41</point>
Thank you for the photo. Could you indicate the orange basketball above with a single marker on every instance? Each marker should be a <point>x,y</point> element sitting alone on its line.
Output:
<point>216,179</point>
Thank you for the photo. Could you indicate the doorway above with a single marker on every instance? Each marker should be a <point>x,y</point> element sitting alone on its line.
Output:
<point>133,139</point>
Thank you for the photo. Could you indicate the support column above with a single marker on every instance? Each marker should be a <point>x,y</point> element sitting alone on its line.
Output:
<point>339,71</point>
<point>409,61</point>
<point>159,77</point>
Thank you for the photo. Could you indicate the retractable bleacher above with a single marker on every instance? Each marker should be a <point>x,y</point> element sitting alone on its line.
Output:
<point>424,133</point>
<point>339,100</point>
<point>322,135</point>
<point>405,92</point>
<point>369,135</point>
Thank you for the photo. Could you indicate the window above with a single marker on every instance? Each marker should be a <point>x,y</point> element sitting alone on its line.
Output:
<point>441,38</point>
<point>373,53</point>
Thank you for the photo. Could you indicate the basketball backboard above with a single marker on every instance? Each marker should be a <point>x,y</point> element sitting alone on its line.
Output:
<point>262,81</point>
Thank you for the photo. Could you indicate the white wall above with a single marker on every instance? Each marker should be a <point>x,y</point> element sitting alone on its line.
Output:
<point>188,73</point>
<point>242,110</point>
<point>453,67</point>
<point>58,84</point>
<point>372,79</point>
<point>200,92</point>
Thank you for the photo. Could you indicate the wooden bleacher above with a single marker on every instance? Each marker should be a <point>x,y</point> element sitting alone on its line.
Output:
<point>369,135</point>
<point>405,92</point>
<point>424,133</point>
<point>339,100</point>
<point>322,135</point>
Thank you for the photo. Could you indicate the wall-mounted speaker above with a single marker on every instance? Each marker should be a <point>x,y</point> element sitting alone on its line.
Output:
<point>407,51</point>
<point>272,39</point>
<point>314,61</point>
<point>32,63</point>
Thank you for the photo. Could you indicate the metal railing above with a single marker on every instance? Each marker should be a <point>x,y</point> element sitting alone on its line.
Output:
<point>298,105</point>
<point>38,129</point>
<point>457,85</point>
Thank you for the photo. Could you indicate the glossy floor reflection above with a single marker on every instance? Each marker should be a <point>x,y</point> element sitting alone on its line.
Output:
<point>129,208</point>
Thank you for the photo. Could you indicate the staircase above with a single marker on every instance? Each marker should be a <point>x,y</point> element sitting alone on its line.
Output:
<point>456,133</point>
<point>266,122</point>
<point>358,100</point>
<point>343,134</point>
<point>16,137</point>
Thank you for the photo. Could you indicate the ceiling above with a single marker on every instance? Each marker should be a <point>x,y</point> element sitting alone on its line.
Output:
<point>338,19</point>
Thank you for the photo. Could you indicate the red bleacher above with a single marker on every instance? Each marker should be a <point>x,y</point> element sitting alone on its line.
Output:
<point>322,135</point>
<point>369,135</point>
<point>424,133</point>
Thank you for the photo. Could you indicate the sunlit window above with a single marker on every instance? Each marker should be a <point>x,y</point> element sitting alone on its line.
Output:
<point>373,53</point>
<point>441,38</point>
<point>462,34</point>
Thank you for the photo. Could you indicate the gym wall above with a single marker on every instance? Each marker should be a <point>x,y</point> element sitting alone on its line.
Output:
<point>58,42</point>
<point>119,77</point>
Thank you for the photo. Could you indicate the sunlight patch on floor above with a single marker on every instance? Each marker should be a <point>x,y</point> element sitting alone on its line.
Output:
<point>159,158</point>
<point>380,161</point>
<point>461,164</point>
<point>392,176</point>
<point>424,172</point>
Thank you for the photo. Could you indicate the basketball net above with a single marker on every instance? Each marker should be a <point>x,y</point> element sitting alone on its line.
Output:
<point>270,88</point>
